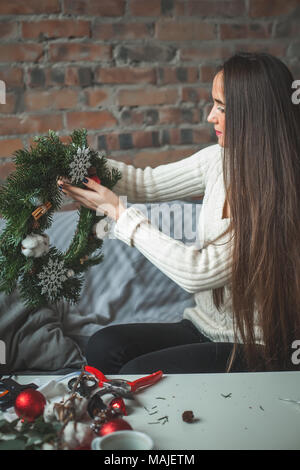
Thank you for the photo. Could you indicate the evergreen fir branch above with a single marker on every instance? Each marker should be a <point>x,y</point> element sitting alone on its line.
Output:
<point>33,184</point>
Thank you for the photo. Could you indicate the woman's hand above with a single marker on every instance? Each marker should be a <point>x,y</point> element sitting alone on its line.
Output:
<point>96,197</point>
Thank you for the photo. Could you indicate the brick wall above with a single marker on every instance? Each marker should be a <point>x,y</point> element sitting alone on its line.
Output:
<point>136,73</point>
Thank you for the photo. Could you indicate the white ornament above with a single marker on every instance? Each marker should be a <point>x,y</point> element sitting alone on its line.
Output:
<point>47,446</point>
<point>49,413</point>
<point>80,164</point>
<point>53,275</point>
<point>52,413</point>
<point>70,273</point>
<point>77,434</point>
<point>35,245</point>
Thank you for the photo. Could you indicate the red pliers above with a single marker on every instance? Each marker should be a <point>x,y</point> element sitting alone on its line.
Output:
<point>127,388</point>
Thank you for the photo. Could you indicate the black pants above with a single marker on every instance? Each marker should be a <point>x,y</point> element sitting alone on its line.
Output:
<point>174,348</point>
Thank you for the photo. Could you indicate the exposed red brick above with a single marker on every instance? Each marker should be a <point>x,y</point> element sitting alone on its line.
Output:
<point>174,136</point>
<point>178,115</point>
<point>202,135</point>
<point>55,29</point>
<point>30,7</point>
<point>177,75</point>
<point>125,75</point>
<point>5,170</point>
<point>79,52</point>
<point>95,7</point>
<point>8,30</point>
<point>243,31</point>
<point>12,76</point>
<point>30,124</point>
<point>142,139</point>
<point>133,117</point>
<point>196,54</point>
<point>207,73</point>
<point>107,31</point>
<point>182,31</point>
<point>148,52</point>
<point>71,76</point>
<point>258,8</point>
<point>207,8</point>
<point>10,104</point>
<point>179,8</point>
<point>145,8</point>
<point>276,49</point>
<point>97,96</point>
<point>195,94</point>
<point>288,28</point>
<point>147,96</point>
<point>9,146</point>
<point>21,52</point>
<point>50,99</point>
<point>112,141</point>
<point>90,120</point>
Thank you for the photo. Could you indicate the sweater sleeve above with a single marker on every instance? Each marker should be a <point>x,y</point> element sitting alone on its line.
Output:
<point>191,268</point>
<point>178,180</point>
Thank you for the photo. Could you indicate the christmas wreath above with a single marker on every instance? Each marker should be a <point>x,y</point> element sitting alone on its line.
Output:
<point>28,200</point>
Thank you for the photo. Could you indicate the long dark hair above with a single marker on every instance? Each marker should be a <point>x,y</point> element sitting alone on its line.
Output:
<point>262,180</point>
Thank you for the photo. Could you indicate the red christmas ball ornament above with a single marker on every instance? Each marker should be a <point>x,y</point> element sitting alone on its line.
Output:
<point>95,178</point>
<point>118,405</point>
<point>114,425</point>
<point>30,404</point>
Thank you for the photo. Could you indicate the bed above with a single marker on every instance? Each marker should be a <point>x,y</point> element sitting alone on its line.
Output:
<point>124,288</point>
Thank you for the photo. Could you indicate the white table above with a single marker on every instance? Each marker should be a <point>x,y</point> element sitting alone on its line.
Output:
<point>252,417</point>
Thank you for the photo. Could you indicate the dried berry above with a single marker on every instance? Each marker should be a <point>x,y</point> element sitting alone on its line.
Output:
<point>188,416</point>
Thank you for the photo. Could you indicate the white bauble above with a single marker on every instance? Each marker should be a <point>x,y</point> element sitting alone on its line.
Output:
<point>35,245</point>
<point>30,241</point>
<point>26,252</point>
<point>77,434</point>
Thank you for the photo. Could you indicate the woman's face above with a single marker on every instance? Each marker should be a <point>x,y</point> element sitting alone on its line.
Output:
<point>217,114</point>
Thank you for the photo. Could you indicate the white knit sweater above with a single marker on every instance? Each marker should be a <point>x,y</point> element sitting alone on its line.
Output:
<point>197,269</point>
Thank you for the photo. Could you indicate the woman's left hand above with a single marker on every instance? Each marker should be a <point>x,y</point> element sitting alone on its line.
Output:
<point>96,197</point>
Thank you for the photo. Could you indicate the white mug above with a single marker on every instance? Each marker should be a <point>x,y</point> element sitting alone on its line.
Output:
<point>123,440</point>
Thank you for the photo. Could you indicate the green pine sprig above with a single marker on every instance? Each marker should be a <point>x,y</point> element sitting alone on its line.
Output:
<point>35,178</point>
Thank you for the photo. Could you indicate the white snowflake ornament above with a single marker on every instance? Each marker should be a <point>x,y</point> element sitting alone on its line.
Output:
<point>80,164</point>
<point>52,277</point>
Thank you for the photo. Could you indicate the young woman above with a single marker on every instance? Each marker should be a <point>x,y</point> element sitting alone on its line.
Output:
<point>246,276</point>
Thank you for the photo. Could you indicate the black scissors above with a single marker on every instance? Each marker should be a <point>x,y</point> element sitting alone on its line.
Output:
<point>9,390</point>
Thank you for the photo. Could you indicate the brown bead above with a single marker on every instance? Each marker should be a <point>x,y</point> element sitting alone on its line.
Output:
<point>188,416</point>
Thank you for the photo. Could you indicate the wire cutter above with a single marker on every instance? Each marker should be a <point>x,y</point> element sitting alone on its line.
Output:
<point>9,390</point>
<point>123,387</point>
<point>86,386</point>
